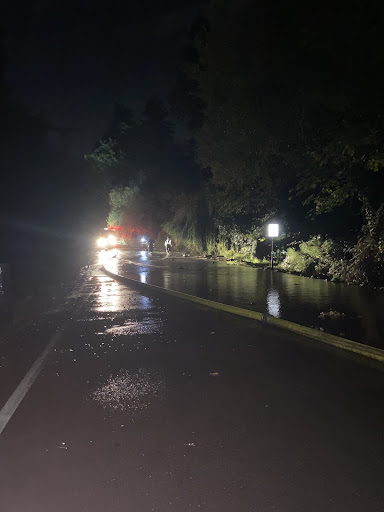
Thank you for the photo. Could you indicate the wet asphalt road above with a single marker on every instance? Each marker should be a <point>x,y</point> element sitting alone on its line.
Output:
<point>153,404</point>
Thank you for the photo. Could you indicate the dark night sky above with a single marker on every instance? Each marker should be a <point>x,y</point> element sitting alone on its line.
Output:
<point>69,59</point>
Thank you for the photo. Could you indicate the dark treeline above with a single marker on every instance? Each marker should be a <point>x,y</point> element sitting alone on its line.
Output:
<point>284,101</point>
<point>45,194</point>
<point>48,201</point>
<point>292,127</point>
<point>143,172</point>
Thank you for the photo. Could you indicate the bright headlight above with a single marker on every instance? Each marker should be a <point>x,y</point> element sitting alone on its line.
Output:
<point>143,239</point>
<point>101,242</point>
<point>112,239</point>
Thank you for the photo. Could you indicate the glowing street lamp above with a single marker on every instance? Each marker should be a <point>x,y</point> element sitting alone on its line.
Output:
<point>273,231</point>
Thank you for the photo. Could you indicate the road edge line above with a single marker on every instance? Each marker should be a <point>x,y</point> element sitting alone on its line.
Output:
<point>307,332</point>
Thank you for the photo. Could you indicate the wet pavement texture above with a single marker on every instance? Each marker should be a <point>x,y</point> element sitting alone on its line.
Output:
<point>357,311</point>
<point>155,404</point>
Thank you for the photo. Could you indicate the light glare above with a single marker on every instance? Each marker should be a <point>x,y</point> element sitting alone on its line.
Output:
<point>273,230</point>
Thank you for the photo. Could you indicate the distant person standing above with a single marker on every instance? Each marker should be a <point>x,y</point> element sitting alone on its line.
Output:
<point>150,246</point>
<point>168,245</point>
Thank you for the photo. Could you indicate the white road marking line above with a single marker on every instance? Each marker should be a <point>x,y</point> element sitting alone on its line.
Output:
<point>22,389</point>
<point>14,400</point>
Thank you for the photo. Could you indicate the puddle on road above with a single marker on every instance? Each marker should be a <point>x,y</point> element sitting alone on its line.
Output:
<point>112,296</point>
<point>132,327</point>
<point>130,391</point>
<point>96,319</point>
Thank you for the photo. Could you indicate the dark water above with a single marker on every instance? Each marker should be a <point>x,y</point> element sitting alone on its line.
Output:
<point>298,299</point>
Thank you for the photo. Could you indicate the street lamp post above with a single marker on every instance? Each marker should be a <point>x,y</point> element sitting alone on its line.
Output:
<point>273,231</point>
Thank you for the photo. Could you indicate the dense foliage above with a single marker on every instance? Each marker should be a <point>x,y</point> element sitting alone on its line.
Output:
<point>284,103</point>
<point>290,126</point>
<point>142,167</point>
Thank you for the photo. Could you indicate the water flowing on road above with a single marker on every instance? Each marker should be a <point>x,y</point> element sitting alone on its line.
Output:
<point>357,312</point>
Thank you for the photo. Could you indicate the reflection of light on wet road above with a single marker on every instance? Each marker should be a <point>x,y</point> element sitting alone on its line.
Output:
<point>273,303</point>
<point>167,279</point>
<point>129,391</point>
<point>109,295</point>
<point>101,257</point>
<point>143,255</point>
<point>132,327</point>
<point>144,302</point>
<point>143,277</point>
<point>110,259</point>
